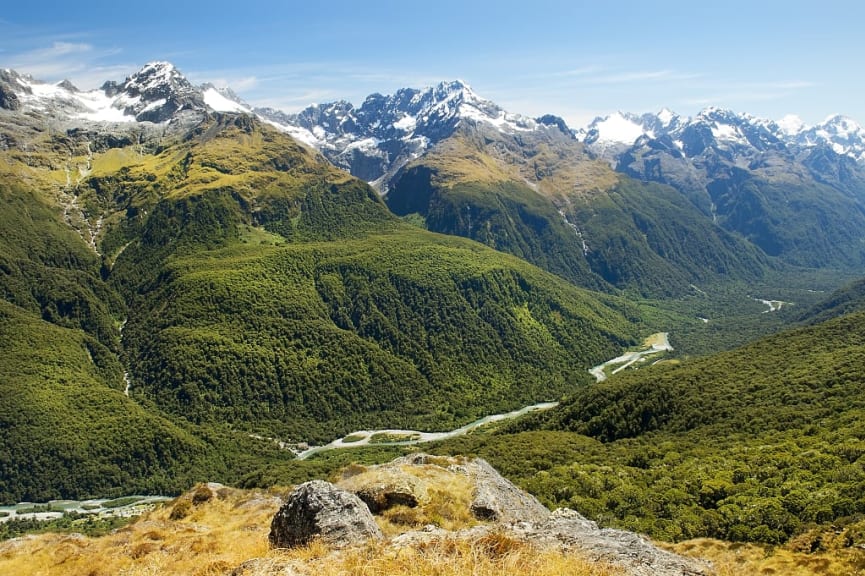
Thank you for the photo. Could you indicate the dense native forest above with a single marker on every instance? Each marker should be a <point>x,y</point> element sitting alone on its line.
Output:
<point>275,296</point>
<point>239,290</point>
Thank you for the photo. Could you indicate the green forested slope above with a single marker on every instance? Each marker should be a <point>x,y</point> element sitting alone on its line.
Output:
<point>555,207</point>
<point>802,222</point>
<point>296,304</point>
<point>649,237</point>
<point>47,269</point>
<point>759,443</point>
<point>505,215</point>
<point>258,290</point>
<point>847,299</point>
<point>67,427</point>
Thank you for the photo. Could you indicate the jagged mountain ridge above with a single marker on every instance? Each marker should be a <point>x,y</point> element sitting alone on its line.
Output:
<point>796,192</point>
<point>156,93</point>
<point>841,134</point>
<point>377,139</point>
<point>396,128</point>
<point>419,118</point>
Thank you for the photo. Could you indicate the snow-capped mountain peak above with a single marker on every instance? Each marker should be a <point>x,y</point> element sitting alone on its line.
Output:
<point>844,135</point>
<point>154,77</point>
<point>155,93</point>
<point>616,130</point>
<point>666,116</point>
<point>375,140</point>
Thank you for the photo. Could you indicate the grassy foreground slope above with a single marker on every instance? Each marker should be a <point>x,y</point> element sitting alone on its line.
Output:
<point>763,443</point>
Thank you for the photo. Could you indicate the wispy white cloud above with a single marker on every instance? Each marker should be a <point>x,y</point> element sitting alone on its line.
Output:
<point>743,93</point>
<point>238,84</point>
<point>82,63</point>
<point>583,71</point>
<point>641,77</point>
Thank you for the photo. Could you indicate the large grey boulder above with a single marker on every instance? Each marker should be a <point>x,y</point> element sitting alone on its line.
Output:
<point>498,499</point>
<point>320,509</point>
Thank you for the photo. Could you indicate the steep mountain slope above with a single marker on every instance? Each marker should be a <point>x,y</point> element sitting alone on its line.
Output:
<point>245,285</point>
<point>846,300</point>
<point>67,426</point>
<point>797,195</point>
<point>463,166</point>
<point>281,327</point>
<point>69,429</point>
<point>541,197</point>
<point>760,443</point>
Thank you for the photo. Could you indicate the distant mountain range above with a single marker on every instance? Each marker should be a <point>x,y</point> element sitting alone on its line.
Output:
<point>839,133</point>
<point>402,126</point>
<point>535,187</point>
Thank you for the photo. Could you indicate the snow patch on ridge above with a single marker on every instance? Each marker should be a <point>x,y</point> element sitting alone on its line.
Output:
<point>617,128</point>
<point>406,123</point>
<point>220,103</point>
<point>791,124</point>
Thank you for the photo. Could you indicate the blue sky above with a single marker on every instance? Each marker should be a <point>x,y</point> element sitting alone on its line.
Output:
<point>572,58</point>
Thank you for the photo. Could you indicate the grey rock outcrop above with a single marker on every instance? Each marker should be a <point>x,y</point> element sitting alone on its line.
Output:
<point>393,490</point>
<point>320,509</point>
<point>339,517</point>
<point>497,499</point>
<point>568,530</point>
<point>8,83</point>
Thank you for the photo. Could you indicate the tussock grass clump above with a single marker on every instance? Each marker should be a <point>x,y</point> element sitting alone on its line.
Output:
<point>444,497</point>
<point>491,555</point>
<point>213,537</point>
<point>739,559</point>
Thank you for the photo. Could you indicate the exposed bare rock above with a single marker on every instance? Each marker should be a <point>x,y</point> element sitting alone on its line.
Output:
<point>498,499</point>
<point>320,509</point>
<point>570,531</point>
<point>387,487</point>
<point>502,508</point>
<point>8,99</point>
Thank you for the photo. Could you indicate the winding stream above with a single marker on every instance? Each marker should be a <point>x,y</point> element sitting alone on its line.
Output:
<point>126,506</point>
<point>366,437</point>
<point>655,344</point>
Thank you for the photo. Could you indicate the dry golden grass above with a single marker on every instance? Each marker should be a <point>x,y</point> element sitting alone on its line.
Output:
<point>458,160</point>
<point>562,173</point>
<point>215,536</point>
<point>735,559</point>
<point>493,555</point>
<point>446,502</point>
<point>220,535</point>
